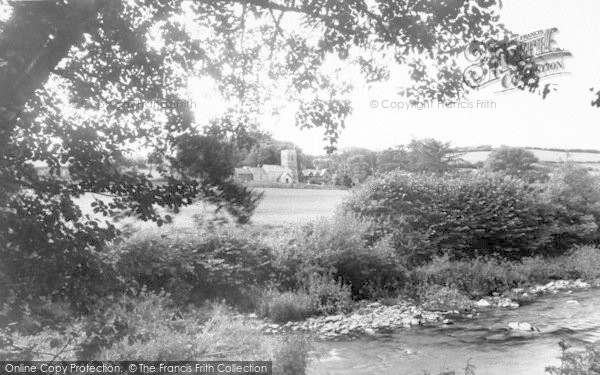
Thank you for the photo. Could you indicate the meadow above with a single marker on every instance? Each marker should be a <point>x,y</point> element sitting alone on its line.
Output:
<point>543,155</point>
<point>278,207</point>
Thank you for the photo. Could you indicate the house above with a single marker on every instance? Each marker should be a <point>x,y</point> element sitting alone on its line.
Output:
<point>316,176</point>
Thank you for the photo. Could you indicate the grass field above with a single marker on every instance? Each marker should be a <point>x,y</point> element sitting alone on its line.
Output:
<point>542,155</point>
<point>279,206</point>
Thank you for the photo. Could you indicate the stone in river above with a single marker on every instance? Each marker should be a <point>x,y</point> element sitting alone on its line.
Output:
<point>333,318</point>
<point>523,327</point>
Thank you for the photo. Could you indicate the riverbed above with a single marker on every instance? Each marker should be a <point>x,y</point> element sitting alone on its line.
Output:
<point>483,341</point>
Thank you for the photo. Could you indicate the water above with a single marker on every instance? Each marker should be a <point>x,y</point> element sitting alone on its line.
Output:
<point>484,342</point>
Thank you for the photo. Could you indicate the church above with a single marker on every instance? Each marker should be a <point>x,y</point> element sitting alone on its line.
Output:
<point>286,173</point>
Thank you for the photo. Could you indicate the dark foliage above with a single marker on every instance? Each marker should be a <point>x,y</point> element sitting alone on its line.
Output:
<point>467,216</point>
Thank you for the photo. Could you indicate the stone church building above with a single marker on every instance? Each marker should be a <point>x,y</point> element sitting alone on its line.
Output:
<point>286,173</point>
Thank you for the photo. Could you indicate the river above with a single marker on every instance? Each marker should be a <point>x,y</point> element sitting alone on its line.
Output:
<point>483,341</point>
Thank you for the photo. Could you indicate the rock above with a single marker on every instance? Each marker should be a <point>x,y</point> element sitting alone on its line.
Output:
<point>483,303</point>
<point>572,302</point>
<point>369,331</point>
<point>447,321</point>
<point>507,302</point>
<point>580,284</point>
<point>523,327</point>
<point>332,318</point>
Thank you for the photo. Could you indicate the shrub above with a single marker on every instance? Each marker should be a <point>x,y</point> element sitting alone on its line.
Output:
<point>469,215</point>
<point>341,248</point>
<point>583,262</point>
<point>578,362</point>
<point>154,330</point>
<point>149,327</point>
<point>293,356</point>
<point>443,298</point>
<point>322,295</point>
<point>515,161</point>
<point>539,270</point>
<point>196,265</point>
<point>329,296</point>
<point>476,278</point>
<point>576,192</point>
<point>282,307</point>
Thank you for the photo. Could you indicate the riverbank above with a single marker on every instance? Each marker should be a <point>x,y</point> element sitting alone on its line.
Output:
<point>374,317</point>
<point>485,342</point>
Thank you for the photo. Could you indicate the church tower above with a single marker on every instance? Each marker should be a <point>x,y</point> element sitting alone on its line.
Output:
<point>289,159</point>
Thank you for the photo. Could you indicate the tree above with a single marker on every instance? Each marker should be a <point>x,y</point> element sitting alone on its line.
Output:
<point>212,161</point>
<point>263,154</point>
<point>392,159</point>
<point>430,155</point>
<point>342,180</point>
<point>85,82</point>
<point>359,168</point>
<point>514,161</point>
<point>155,159</point>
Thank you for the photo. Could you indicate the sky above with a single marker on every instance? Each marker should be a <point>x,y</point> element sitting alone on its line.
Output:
<point>565,119</point>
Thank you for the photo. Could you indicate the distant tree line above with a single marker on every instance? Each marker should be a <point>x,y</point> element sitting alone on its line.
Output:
<point>349,167</point>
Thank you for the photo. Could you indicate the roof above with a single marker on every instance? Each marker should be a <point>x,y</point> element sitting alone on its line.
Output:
<point>243,170</point>
<point>256,171</point>
<point>276,168</point>
<point>314,172</point>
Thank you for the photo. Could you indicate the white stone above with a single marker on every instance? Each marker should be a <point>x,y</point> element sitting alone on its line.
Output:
<point>369,331</point>
<point>523,327</point>
<point>333,318</point>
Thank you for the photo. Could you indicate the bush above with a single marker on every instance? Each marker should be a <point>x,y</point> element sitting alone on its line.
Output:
<point>329,296</point>
<point>476,278</point>
<point>293,356</point>
<point>540,270</point>
<point>578,362</point>
<point>468,215</point>
<point>322,295</point>
<point>282,307</point>
<point>483,276</point>
<point>437,297</point>
<point>515,161</point>
<point>149,327</point>
<point>197,265</point>
<point>574,191</point>
<point>583,262</point>
<point>340,248</point>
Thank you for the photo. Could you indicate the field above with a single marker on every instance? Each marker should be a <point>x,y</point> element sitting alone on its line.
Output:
<point>542,155</point>
<point>279,206</point>
<point>297,205</point>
